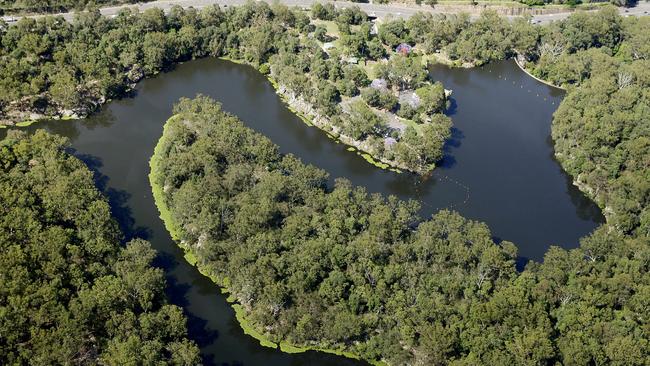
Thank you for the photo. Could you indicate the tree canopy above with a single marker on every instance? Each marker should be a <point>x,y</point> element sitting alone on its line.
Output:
<point>70,293</point>
<point>337,267</point>
<point>54,68</point>
<point>53,6</point>
<point>313,264</point>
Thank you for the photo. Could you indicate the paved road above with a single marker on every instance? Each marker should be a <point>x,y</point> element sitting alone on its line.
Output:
<point>380,11</point>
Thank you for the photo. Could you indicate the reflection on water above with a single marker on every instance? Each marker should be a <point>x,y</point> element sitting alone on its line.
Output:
<point>498,168</point>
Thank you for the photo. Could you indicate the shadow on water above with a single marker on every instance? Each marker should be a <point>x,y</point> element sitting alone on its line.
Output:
<point>453,107</point>
<point>521,262</point>
<point>454,142</point>
<point>586,209</point>
<point>197,327</point>
<point>118,199</point>
<point>176,292</point>
<point>495,169</point>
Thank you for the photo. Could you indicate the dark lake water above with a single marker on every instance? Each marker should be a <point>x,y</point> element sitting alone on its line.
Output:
<point>499,168</point>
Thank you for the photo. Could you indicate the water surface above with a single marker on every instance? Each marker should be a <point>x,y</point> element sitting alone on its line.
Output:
<point>498,168</point>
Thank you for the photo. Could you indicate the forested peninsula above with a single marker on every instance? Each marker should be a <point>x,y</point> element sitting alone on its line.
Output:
<point>319,267</point>
<point>70,292</point>
<point>53,68</point>
<point>334,267</point>
<point>331,68</point>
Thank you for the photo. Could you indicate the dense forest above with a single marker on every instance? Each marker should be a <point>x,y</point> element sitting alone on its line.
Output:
<point>50,6</point>
<point>336,267</point>
<point>600,130</point>
<point>53,68</point>
<point>70,292</point>
<point>55,6</point>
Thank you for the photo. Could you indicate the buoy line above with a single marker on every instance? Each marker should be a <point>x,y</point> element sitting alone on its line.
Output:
<point>441,177</point>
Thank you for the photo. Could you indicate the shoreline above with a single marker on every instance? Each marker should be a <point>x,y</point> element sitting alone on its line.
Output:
<point>355,146</point>
<point>535,77</point>
<point>352,144</point>
<point>368,157</point>
<point>240,312</point>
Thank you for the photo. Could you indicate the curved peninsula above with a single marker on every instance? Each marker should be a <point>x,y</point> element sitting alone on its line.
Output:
<point>374,97</point>
<point>319,267</point>
<point>309,267</point>
<point>56,69</point>
<point>555,312</point>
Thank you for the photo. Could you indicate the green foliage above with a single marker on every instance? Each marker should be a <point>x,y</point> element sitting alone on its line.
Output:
<point>582,30</point>
<point>423,148</point>
<point>70,293</point>
<point>351,16</point>
<point>335,267</point>
<point>382,99</point>
<point>375,50</point>
<point>487,39</point>
<point>361,121</point>
<point>51,66</point>
<point>323,12</point>
<point>316,265</point>
<point>353,45</point>
<point>600,129</point>
<point>56,68</point>
<point>433,32</point>
<point>56,65</point>
<point>403,72</point>
<point>310,264</point>
<point>432,98</point>
<point>393,32</point>
<point>602,135</point>
<point>53,6</point>
<point>320,33</point>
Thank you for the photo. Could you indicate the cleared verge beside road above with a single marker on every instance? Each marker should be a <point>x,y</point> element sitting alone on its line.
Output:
<point>380,11</point>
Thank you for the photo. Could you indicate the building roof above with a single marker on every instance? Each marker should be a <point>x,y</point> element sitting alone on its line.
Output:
<point>404,48</point>
<point>409,97</point>
<point>379,84</point>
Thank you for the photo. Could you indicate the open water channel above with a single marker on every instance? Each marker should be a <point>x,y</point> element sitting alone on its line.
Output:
<point>498,168</point>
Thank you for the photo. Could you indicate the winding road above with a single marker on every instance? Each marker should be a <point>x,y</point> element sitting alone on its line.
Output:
<point>380,11</point>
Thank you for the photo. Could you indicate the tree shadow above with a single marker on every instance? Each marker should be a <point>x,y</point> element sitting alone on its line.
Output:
<point>117,199</point>
<point>454,142</point>
<point>586,208</point>
<point>453,107</point>
<point>407,185</point>
<point>520,261</point>
<point>177,294</point>
<point>101,118</point>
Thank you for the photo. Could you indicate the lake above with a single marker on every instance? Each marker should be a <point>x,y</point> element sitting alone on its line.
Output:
<point>498,168</point>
